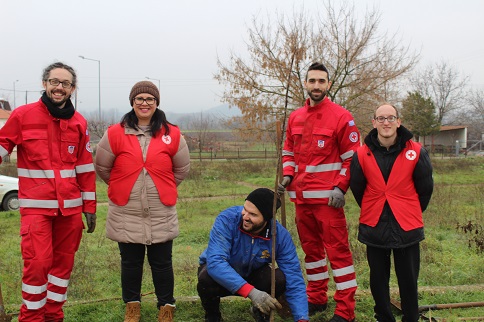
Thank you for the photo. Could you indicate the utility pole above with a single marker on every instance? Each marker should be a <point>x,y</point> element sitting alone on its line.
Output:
<point>14,104</point>
<point>159,82</point>
<point>99,80</point>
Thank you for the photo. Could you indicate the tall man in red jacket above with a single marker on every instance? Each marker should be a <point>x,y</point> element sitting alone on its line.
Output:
<point>391,179</point>
<point>321,138</point>
<point>57,183</point>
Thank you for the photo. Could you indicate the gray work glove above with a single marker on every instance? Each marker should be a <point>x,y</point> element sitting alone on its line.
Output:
<point>283,184</point>
<point>336,198</point>
<point>263,301</point>
<point>90,221</point>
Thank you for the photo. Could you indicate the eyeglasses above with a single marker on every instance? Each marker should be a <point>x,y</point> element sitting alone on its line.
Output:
<point>140,100</point>
<point>381,119</point>
<point>56,82</point>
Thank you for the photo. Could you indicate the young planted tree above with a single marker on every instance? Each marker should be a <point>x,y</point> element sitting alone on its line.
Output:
<point>444,85</point>
<point>419,116</point>
<point>363,64</point>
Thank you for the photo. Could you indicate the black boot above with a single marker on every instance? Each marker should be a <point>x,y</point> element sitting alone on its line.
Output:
<point>315,308</point>
<point>212,309</point>
<point>213,317</point>
<point>337,318</point>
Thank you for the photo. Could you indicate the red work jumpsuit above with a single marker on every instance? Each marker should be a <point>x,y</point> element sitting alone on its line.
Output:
<point>320,142</point>
<point>57,183</point>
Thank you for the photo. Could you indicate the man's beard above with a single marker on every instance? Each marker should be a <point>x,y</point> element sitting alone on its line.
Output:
<point>320,96</point>
<point>57,103</point>
<point>255,227</point>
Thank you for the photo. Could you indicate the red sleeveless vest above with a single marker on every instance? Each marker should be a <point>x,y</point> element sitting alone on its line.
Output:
<point>129,163</point>
<point>399,190</point>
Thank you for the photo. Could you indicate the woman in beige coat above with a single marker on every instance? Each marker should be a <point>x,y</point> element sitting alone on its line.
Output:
<point>143,159</point>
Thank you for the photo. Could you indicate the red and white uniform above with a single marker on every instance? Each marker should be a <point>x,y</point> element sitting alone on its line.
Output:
<point>320,142</point>
<point>57,183</point>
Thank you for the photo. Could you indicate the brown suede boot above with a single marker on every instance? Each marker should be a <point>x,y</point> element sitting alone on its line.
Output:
<point>166,313</point>
<point>133,312</point>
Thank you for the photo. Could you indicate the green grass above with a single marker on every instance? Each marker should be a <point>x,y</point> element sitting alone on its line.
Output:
<point>451,268</point>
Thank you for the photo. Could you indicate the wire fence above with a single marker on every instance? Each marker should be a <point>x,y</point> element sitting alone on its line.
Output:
<point>237,154</point>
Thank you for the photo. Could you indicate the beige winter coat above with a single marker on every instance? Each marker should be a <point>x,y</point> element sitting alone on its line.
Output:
<point>144,219</point>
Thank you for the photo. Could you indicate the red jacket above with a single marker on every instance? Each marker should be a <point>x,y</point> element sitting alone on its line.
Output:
<point>399,191</point>
<point>54,161</point>
<point>129,163</point>
<point>320,142</point>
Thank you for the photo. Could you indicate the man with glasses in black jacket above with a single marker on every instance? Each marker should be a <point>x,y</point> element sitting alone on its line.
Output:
<point>391,179</point>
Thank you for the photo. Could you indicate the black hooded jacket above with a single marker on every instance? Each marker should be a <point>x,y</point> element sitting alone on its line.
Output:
<point>388,233</point>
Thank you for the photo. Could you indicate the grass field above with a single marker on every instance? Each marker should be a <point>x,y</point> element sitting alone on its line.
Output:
<point>451,270</point>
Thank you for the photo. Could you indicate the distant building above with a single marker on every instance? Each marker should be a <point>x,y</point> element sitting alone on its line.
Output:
<point>4,105</point>
<point>447,137</point>
<point>4,115</point>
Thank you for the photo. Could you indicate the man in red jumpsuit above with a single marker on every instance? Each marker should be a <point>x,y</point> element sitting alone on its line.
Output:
<point>57,183</point>
<point>321,138</point>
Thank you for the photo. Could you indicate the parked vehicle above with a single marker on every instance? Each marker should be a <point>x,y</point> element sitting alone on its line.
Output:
<point>9,193</point>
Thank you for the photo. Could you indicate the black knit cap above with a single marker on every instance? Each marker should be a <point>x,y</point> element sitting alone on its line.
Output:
<point>144,87</point>
<point>263,199</point>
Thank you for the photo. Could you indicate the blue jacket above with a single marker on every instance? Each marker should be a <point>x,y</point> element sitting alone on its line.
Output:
<point>233,254</point>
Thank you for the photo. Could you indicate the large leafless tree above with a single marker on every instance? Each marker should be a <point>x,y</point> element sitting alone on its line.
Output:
<point>364,63</point>
<point>445,85</point>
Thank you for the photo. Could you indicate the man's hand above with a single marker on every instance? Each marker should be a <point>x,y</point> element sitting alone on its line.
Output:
<point>263,301</point>
<point>336,198</point>
<point>281,188</point>
<point>90,221</point>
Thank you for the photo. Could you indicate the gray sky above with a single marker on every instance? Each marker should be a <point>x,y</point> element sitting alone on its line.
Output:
<point>178,42</point>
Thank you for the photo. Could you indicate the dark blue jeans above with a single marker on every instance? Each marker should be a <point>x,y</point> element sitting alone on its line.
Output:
<point>160,260</point>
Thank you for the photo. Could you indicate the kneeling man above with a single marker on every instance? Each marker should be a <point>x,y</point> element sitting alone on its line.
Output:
<point>238,258</point>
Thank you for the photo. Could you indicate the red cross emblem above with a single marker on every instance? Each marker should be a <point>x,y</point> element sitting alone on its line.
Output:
<point>166,139</point>
<point>354,137</point>
<point>411,155</point>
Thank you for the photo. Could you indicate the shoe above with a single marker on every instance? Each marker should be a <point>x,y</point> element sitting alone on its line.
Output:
<point>258,315</point>
<point>316,308</point>
<point>213,318</point>
<point>133,312</point>
<point>166,313</point>
<point>337,318</point>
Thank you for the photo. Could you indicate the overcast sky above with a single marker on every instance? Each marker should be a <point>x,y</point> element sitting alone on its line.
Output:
<point>178,42</point>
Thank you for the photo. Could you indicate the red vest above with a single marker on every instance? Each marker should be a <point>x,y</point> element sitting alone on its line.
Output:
<point>399,190</point>
<point>129,163</point>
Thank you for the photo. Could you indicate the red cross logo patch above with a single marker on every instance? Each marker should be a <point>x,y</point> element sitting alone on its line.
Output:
<point>354,137</point>
<point>166,139</point>
<point>411,155</point>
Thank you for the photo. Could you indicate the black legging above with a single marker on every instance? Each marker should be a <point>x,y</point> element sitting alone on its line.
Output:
<point>160,260</point>
<point>210,291</point>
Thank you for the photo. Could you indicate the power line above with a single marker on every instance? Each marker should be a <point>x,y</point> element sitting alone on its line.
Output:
<point>18,90</point>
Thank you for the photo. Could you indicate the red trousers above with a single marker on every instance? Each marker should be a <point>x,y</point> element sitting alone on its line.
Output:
<point>322,231</point>
<point>48,245</point>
